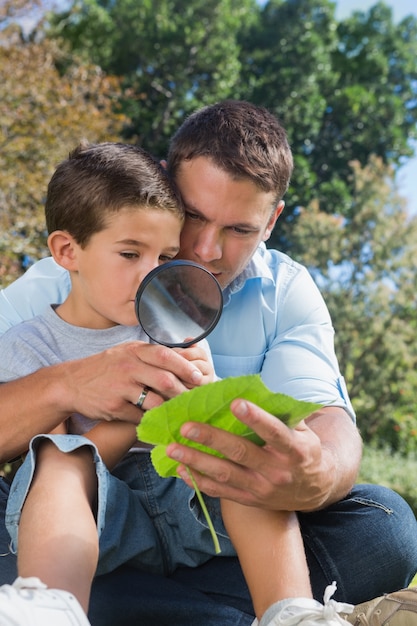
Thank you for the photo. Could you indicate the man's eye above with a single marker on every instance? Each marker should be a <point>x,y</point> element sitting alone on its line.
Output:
<point>241,231</point>
<point>192,216</point>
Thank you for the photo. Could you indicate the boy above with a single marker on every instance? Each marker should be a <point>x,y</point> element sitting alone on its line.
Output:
<point>112,216</point>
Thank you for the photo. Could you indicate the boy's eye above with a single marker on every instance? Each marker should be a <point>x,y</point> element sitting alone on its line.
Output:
<point>129,255</point>
<point>164,258</point>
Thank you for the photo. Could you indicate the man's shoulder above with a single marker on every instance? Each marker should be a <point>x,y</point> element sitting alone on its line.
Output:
<point>44,283</point>
<point>45,272</point>
<point>46,268</point>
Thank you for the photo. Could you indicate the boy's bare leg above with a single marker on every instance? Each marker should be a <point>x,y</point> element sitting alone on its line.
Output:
<point>270,551</point>
<point>58,540</point>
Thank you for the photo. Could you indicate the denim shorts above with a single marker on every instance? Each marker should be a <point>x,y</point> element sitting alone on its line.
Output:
<point>152,523</point>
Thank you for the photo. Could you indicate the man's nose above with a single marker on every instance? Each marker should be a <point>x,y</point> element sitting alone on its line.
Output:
<point>209,245</point>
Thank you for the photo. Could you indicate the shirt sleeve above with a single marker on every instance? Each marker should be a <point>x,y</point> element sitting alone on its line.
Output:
<point>43,284</point>
<point>301,358</point>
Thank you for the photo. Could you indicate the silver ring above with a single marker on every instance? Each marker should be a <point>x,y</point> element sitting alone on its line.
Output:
<point>142,398</point>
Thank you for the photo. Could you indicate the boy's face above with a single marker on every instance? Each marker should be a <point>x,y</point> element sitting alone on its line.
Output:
<point>226,219</point>
<point>110,268</point>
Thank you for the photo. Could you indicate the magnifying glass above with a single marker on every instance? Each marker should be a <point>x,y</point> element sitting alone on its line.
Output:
<point>178,303</point>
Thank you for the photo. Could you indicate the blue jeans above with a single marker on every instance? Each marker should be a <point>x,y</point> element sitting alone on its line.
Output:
<point>367,543</point>
<point>151,523</point>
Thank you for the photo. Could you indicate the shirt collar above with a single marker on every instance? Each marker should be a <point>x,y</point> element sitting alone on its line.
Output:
<point>256,268</point>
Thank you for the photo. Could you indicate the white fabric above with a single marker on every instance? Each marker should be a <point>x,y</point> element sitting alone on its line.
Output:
<point>28,602</point>
<point>306,612</point>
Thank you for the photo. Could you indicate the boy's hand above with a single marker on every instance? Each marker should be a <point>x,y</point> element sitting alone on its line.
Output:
<point>197,355</point>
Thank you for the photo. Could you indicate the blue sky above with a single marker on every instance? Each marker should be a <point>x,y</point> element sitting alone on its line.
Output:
<point>400,7</point>
<point>407,176</point>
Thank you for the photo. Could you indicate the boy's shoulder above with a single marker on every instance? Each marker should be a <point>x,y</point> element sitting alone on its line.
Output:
<point>23,331</point>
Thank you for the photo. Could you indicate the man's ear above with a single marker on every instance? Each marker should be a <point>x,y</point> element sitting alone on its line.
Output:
<point>63,248</point>
<point>273,219</point>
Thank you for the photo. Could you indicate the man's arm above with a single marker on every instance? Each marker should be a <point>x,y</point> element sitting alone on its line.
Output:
<point>104,386</point>
<point>301,469</point>
<point>29,406</point>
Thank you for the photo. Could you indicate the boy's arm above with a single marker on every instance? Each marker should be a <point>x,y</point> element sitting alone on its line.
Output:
<point>200,355</point>
<point>61,429</point>
<point>113,440</point>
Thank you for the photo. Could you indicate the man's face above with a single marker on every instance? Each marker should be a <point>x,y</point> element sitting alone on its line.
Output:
<point>226,219</point>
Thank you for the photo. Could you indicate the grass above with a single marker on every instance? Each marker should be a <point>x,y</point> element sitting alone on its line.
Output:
<point>392,470</point>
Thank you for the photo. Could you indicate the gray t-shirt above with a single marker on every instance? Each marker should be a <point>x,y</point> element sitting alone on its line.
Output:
<point>48,340</point>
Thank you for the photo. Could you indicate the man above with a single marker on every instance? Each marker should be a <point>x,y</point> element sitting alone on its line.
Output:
<point>232,164</point>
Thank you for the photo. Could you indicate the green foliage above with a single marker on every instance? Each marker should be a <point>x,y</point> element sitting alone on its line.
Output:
<point>393,470</point>
<point>366,267</point>
<point>287,67</point>
<point>43,116</point>
<point>211,404</point>
<point>173,56</point>
<point>343,90</point>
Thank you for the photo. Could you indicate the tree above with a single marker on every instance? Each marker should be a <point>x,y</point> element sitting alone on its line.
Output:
<point>43,116</point>
<point>366,267</point>
<point>173,56</point>
<point>10,10</point>
<point>343,90</point>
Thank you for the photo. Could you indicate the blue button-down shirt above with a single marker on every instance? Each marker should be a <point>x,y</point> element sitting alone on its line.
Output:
<point>274,322</point>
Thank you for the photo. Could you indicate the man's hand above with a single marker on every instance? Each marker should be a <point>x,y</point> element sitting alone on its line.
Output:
<point>104,386</point>
<point>107,385</point>
<point>300,469</point>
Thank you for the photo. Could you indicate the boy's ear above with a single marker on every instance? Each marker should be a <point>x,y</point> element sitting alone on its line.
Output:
<point>63,248</point>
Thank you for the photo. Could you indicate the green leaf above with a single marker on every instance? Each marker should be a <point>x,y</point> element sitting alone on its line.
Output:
<point>211,404</point>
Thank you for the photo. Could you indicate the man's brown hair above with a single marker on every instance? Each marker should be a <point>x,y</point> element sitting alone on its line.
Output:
<point>243,139</point>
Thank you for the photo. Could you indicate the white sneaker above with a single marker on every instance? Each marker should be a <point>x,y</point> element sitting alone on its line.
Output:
<point>306,612</point>
<point>28,602</point>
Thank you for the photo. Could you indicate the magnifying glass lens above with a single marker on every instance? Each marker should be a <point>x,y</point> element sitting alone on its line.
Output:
<point>179,303</point>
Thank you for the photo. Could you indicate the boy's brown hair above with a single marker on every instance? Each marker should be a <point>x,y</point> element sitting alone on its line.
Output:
<point>97,180</point>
